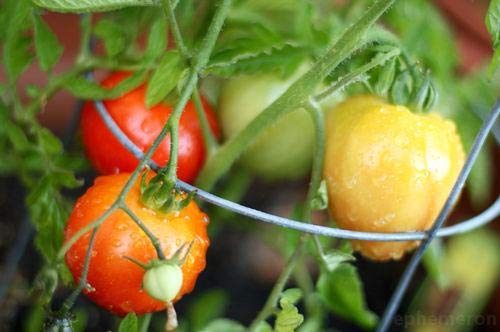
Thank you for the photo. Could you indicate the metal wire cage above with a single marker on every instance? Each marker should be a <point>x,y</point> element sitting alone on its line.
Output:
<point>490,123</point>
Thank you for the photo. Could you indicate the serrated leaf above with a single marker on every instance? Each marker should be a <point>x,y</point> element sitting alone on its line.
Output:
<point>290,296</point>
<point>207,306</point>
<point>16,53</point>
<point>83,88</point>
<point>112,35</point>
<point>342,292</point>
<point>288,318</point>
<point>48,49</point>
<point>433,261</point>
<point>165,78</point>
<point>334,258</point>
<point>225,325</point>
<point>85,6</point>
<point>284,61</point>
<point>157,39</point>
<point>129,323</point>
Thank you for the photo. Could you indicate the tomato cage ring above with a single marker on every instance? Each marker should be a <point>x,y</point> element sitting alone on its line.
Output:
<point>482,219</point>
<point>435,231</point>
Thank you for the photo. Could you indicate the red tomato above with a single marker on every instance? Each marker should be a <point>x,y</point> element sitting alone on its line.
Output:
<point>142,126</point>
<point>115,283</point>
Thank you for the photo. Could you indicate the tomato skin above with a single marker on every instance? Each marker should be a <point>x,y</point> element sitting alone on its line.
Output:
<point>283,151</point>
<point>116,283</point>
<point>388,170</point>
<point>142,126</point>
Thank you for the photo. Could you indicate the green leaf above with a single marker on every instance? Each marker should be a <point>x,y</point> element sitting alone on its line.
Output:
<point>263,327</point>
<point>225,325</point>
<point>85,6</point>
<point>129,323</point>
<point>165,78</point>
<point>17,137</point>
<point>282,60</point>
<point>342,292</point>
<point>492,21</point>
<point>433,261</point>
<point>207,306</point>
<point>48,213</point>
<point>16,50</point>
<point>83,88</point>
<point>49,142</point>
<point>334,258</point>
<point>288,318</point>
<point>113,36</point>
<point>48,49</point>
<point>290,296</point>
<point>157,40</point>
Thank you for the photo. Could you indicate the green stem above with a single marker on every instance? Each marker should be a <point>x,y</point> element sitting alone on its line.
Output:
<point>168,8</point>
<point>154,240</point>
<point>83,278</point>
<point>268,308</point>
<point>294,97</point>
<point>317,168</point>
<point>208,135</point>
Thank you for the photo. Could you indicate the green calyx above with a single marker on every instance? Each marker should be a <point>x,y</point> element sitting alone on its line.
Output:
<point>160,193</point>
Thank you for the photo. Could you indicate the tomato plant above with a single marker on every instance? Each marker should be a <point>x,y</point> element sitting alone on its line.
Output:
<point>379,166</point>
<point>142,125</point>
<point>405,175</point>
<point>115,283</point>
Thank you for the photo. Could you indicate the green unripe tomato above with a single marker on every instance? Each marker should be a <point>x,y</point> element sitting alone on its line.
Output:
<point>282,151</point>
<point>163,282</point>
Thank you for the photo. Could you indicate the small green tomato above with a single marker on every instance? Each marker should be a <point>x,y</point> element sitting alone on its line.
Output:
<point>284,150</point>
<point>163,282</point>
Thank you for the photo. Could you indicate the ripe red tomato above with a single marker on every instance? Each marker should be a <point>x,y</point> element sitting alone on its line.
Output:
<point>142,126</point>
<point>115,283</point>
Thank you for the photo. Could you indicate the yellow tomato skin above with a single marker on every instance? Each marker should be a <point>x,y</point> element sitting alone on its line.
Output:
<point>388,170</point>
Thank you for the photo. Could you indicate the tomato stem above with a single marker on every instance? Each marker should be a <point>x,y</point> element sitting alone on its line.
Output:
<point>208,135</point>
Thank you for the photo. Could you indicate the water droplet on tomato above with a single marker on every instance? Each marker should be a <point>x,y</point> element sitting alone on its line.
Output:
<point>117,243</point>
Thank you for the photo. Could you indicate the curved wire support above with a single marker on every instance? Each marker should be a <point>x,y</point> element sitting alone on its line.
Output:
<point>485,217</point>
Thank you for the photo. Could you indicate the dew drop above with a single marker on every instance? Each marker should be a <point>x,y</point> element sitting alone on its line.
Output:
<point>117,243</point>
<point>122,227</point>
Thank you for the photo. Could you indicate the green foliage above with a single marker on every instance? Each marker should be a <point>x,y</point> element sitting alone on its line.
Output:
<point>288,317</point>
<point>16,49</point>
<point>48,49</point>
<point>113,36</point>
<point>493,24</point>
<point>85,6</point>
<point>206,307</point>
<point>223,324</point>
<point>129,323</point>
<point>165,78</point>
<point>341,290</point>
<point>434,263</point>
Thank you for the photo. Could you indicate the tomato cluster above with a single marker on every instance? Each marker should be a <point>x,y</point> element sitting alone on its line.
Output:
<point>387,170</point>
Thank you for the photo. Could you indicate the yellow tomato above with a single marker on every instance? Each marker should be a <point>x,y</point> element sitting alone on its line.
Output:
<point>388,170</point>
